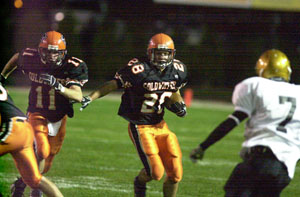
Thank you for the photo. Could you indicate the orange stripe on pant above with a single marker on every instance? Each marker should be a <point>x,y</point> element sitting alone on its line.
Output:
<point>47,146</point>
<point>158,149</point>
<point>20,144</point>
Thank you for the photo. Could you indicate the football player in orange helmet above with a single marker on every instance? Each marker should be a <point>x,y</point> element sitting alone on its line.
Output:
<point>16,138</point>
<point>56,79</point>
<point>150,84</point>
<point>52,48</point>
<point>161,51</point>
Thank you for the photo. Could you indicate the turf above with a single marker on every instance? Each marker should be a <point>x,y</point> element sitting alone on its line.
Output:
<point>98,158</point>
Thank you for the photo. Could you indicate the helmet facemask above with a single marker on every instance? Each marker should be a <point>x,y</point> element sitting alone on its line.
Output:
<point>161,58</point>
<point>52,57</point>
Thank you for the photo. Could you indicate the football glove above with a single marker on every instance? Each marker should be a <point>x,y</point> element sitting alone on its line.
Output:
<point>179,108</point>
<point>51,81</point>
<point>197,154</point>
<point>86,100</point>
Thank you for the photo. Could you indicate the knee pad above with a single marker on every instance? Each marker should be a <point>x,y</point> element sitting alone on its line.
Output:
<point>176,176</point>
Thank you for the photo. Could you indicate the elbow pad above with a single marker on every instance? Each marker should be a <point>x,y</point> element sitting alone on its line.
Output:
<point>179,108</point>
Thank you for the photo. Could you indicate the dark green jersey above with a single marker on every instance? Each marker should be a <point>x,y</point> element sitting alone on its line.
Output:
<point>42,97</point>
<point>7,111</point>
<point>7,106</point>
<point>146,89</point>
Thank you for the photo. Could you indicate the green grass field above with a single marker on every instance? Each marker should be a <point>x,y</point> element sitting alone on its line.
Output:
<point>99,160</point>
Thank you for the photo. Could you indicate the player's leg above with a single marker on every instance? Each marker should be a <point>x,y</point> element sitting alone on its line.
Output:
<point>140,183</point>
<point>171,156</point>
<point>16,141</point>
<point>49,188</point>
<point>40,128</point>
<point>144,140</point>
<point>56,143</point>
<point>240,182</point>
<point>27,165</point>
<point>271,174</point>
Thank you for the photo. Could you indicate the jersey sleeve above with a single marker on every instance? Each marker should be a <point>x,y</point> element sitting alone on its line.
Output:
<point>78,75</point>
<point>242,97</point>
<point>182,73</point>
<point>27,58</point>
<point>127,75</point>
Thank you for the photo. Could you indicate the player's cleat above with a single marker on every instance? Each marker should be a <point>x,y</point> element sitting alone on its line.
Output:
<point>17,188</point>
<point>36,193</point>
<point>139,188</point>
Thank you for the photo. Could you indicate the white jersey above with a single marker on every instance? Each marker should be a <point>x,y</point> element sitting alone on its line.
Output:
<point>273,108</point>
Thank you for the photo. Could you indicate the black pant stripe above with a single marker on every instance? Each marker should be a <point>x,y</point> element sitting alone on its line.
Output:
<point>142,155</point>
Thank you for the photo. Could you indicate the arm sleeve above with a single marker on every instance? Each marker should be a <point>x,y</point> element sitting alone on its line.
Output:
<point>182,73</point>
<point>224,128</point>
<point>242,97</point>
<point>124,77</point>
<point>78,75</point>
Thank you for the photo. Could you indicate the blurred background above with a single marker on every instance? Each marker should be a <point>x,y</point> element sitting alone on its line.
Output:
<point>219,40</point>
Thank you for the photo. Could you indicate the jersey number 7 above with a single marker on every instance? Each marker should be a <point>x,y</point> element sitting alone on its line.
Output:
<point>282,100</point>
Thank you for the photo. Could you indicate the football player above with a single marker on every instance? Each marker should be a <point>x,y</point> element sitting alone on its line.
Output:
<point>272,145</point>
<point>150,84</point>
<point>16,138</point>
<point>56,79</point>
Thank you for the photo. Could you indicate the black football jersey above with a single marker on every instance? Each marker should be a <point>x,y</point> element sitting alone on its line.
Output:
<point>146,89</point>
<point>42,97</point>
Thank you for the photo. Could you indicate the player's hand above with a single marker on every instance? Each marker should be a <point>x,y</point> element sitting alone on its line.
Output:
<point>51,81</point>
<point>197,154</point>
<point>179,108</point>
<point>182,111</point>
<point>86,100</point>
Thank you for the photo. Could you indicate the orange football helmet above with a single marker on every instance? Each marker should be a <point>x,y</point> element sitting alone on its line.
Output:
<point>161,43</point>
<point>52,48</point>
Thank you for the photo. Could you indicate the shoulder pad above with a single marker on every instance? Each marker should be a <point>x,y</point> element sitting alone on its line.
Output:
<point>74,61</point>
<point>178,65</point>
<point>30,52</point>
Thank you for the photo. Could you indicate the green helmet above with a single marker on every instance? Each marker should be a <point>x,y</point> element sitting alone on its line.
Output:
<point>274,63</point>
